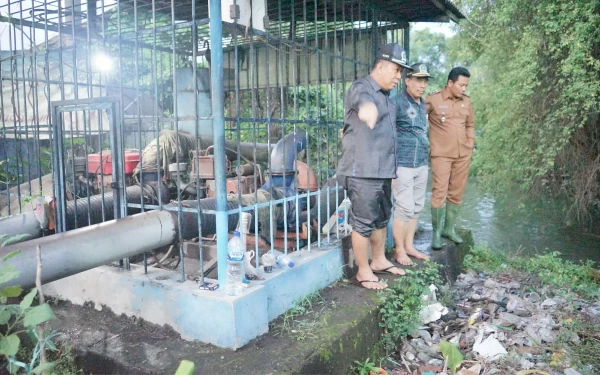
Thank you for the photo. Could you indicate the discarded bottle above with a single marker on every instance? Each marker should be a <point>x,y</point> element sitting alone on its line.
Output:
<point>476,316</point>
<point>283,260</point>
<point>338,218</point>
<point>235,262</point>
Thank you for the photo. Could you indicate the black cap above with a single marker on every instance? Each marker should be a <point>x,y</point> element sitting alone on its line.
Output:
<point>419,70</point>
<point>394,53</point>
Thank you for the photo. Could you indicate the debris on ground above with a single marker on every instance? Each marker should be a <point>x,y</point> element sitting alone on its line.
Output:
<point>505,324</point>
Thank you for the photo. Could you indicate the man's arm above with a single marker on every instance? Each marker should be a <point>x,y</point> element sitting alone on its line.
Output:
<point>428,105</point>
<point>363,104</point>
<point>470,126</point>
<point>368,114</point>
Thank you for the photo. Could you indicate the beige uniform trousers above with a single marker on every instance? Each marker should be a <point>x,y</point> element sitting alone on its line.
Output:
<point>449,179</point>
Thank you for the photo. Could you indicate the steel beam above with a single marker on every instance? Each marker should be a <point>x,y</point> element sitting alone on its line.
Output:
<point>218,112</point>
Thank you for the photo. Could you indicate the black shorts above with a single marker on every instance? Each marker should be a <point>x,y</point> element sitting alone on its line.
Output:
<point>371,200</point>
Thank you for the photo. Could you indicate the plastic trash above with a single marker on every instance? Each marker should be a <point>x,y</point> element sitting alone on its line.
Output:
<point>283,260</point>
<point>339,218</point>
<point>476,316</point>
<point>235,262</point>
<point>549,303</point>
<point>464,305</point>
<point>532,297</point>
<point>431,297</point>
<point>517,306</point>
<point>249,270</point>
<point>490,348</point>
<point>432,310</point>
<point>268,261</point>
<point>571,371</point>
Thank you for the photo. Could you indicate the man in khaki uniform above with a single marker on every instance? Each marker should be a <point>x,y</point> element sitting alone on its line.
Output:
<point>451,137</point>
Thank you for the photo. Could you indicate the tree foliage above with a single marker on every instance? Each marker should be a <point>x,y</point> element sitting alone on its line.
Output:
<point>535,87</point>
<point>430,48</point>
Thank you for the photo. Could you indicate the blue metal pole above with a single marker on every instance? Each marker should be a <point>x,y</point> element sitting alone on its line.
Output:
<point>216,87</point>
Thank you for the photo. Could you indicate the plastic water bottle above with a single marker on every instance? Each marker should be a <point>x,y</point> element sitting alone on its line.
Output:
<point>235,264</point>
<point>283,260</point>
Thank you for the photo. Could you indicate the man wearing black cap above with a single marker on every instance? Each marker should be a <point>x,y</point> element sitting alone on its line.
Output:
<point>368,162</point>
<point>412,159</point>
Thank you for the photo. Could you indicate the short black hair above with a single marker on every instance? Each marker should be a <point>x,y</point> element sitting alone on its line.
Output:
<point>457,72</point>
<point>375,64</point>
<point>377,61</point>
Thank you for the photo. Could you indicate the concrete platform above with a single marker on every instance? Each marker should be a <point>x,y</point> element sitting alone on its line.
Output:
<point>210,317</point>
<point>343,327</point>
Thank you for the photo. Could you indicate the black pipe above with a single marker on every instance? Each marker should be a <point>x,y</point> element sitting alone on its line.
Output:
<point>189,220</point>
<point>81,214</point>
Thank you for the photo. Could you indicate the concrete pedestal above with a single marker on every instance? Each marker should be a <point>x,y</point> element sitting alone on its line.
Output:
<point>211,317</point>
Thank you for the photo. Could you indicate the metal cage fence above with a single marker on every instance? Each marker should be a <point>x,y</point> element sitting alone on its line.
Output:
<point>206,109</point>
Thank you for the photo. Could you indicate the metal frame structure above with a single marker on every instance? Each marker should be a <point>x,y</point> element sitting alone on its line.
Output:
<point>276,68</point>
<point>61,109</point>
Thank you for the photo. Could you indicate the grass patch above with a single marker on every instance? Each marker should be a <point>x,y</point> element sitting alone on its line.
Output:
<point>63,358</point>
<point>302,320</point>
<point>580,340</point>
<point>582,278</point>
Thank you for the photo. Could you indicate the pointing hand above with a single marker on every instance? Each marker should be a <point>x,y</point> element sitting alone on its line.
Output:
<point>368,114</point>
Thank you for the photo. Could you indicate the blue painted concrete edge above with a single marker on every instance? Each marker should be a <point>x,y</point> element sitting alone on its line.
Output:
<point>207,316</point>
<point>313,271</point>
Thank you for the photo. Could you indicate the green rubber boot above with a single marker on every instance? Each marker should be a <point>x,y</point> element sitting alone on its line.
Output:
<point>436,220</point>
<point>451,215</point>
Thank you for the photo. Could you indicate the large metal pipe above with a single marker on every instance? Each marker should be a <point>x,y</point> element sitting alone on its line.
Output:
<point>78,250</point>
<point>24,223</point>
<point>189,220</point>
<point>101,207</point>
<point>282,172</point>
<point>284,153</point>
<point>81,214</point>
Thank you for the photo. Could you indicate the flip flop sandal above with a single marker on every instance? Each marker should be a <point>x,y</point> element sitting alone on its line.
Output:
<point>386,271</point>
<point>361,282</point>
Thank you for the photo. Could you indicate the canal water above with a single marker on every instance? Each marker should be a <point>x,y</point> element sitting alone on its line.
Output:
<point>513,225</point>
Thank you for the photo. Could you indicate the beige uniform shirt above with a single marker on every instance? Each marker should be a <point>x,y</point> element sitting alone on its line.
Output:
<point>451,124</point>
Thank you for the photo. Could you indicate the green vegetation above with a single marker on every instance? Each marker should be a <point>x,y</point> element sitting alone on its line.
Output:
<point>585,352</point>
<point>535,88</point>
<point>430,48</point>
<point>581,278</point>
<point>20,343</point>
<point>302,320</point>
<point>452,355</point>
<point>401,303</point>
<point>364,368</point>
<point>185,368</point>
<point>62,358</point>
<point>19,319</point>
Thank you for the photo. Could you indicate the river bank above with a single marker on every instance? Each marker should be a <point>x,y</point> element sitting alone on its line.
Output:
<point>514,223</point>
